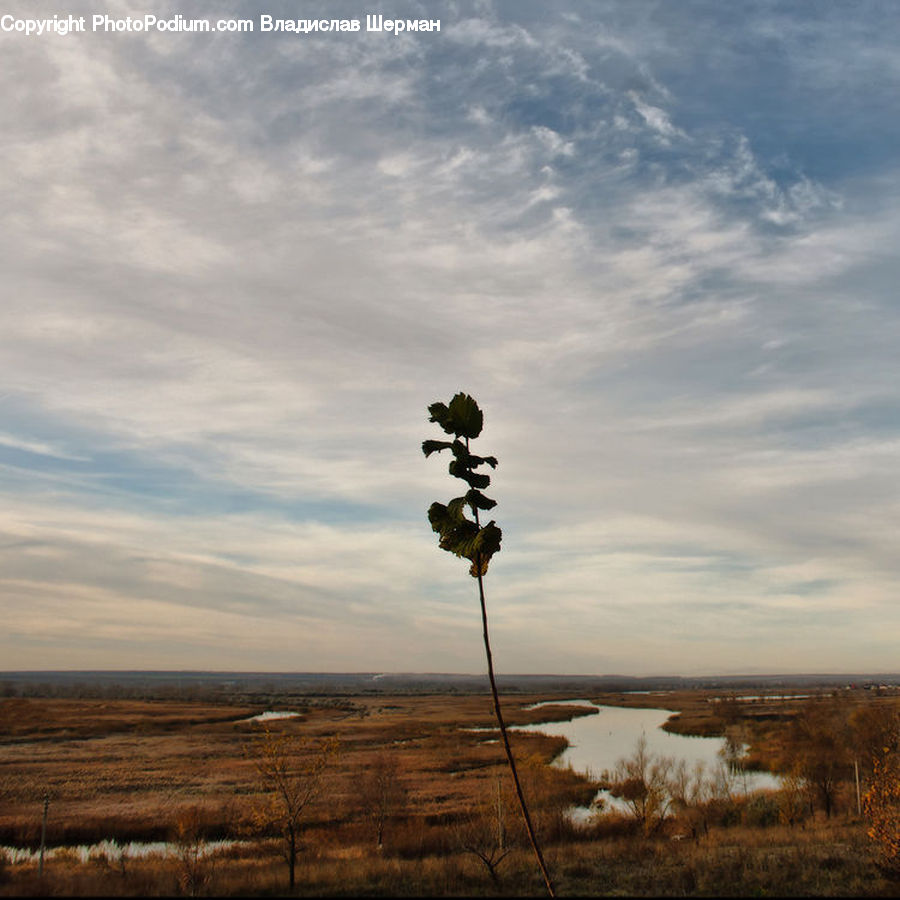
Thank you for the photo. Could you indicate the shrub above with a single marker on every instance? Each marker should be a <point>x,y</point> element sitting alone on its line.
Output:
<point>882,808</point>
<point>762,811</point>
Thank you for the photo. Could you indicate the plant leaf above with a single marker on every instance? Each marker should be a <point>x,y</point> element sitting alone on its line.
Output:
<point>462,417</point>
<point>474,479</point>
<point>429,447</point>
<point>477,500</point>
<point>456,531</point>
<point>439,517</point>
<point>456,509</point>
<point>463,537</point>
<point>468,420</point>
<point>485,544</point>
<point>470,460</point>
<point>441,414</point>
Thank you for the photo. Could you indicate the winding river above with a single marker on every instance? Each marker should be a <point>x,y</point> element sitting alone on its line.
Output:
<point>598,742</point>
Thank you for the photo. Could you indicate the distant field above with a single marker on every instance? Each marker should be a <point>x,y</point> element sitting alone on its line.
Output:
<point>132,770</point>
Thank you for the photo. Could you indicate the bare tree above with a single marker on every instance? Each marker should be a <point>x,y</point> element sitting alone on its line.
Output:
<point>733,753</point>
<point>382,793</point>
<point>642,780</point>
<point>873,727</point>
<point>46,806</point>
<point>690,790</point>
<point>483,832</point>
<point>793,799</point>
<point>817,749</point>
<point>291,773</point>
<point>195,865</point>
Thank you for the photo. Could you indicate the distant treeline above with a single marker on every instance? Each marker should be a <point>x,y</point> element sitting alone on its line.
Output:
<point>261,687</point>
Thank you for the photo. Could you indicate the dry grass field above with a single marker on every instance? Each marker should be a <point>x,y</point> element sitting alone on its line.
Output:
<point>186,772</point>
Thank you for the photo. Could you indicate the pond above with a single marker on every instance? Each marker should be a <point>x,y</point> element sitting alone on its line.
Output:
<point>598,742</point>
<point>270,715</point>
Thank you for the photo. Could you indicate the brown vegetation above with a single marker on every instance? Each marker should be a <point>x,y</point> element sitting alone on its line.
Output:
<point>436,794</point>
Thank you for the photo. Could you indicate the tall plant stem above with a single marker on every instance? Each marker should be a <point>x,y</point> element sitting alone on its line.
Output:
<point>509,756</point>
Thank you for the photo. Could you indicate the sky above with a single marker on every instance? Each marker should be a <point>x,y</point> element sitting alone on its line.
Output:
<point>656,241</point>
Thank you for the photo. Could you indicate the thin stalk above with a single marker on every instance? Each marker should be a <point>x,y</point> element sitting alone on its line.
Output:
<point>509,756</point>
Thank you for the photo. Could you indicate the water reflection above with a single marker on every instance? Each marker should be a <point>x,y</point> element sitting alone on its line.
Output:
<point>598,742</point>
<point>271,714</point>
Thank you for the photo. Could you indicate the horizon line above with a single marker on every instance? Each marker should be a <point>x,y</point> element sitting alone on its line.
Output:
<point>373,673</point>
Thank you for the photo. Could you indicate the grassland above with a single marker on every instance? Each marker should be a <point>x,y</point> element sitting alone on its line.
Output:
<point>133,770</point>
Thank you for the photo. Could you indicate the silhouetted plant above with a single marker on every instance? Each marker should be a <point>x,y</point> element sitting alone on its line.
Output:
<point>469,539</point>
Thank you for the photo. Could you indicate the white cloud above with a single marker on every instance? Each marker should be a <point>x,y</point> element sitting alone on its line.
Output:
<point>239,273</point>
<point>40,448</point>
<point>657,118</point>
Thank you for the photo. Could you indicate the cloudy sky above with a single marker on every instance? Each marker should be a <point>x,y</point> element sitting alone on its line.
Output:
<point>657,241</point>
